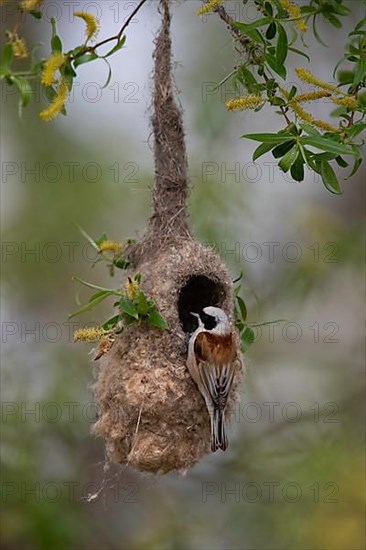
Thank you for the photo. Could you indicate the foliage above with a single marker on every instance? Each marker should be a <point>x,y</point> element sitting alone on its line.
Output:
<point>247,334</point>
<point>265,45</point>
<point>304,141</point>
<point>63,64</point>
<point>133,306</point>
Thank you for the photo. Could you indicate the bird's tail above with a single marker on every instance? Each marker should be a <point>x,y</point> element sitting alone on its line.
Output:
<point>218,431</point>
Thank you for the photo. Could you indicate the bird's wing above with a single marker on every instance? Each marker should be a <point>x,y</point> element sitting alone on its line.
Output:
<point>215,359</point>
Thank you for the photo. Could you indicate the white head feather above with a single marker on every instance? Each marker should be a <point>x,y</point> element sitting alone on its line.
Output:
<point>222,321</point>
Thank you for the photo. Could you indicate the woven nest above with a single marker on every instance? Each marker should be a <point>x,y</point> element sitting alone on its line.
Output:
<point>152,415</point>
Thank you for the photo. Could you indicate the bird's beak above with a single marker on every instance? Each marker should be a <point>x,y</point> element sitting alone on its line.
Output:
<point>194,314</point>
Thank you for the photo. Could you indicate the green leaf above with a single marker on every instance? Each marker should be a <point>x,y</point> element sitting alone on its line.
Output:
<point>288,159</point>
<point>121,263</point>
<point>242,307</point>
<point>109,74</point>
<point>329,178</point>
<point>116,48</point>
<point>246,77</point>
<point>56,44</point>
<point>282,149</point>
<point>292,93</point>
<point>310,130</point>
<point>128,307</point>
<point>255,25</point>
<point>356,129</point>
<point>111,322</point>
<point>271,31</point>
<point>356,166</point>
<point>103,237</point>
<point>326,145</point>
<point>97,287</point>
<point>360,71</point>
<point>89,238</point>
<point>156,320</point>
<point>268,9</point>
<point>341,162</point>
<point>299,52</point>
<point>262,150</point>
<point>251,33</point>
<point>7,56</point>
<point>99,297</point>
<point>142,304</point>
<point>282,45</point>
<point>86,58</point>
<point>278,101</point>
<point>247,338</point>
<point>297,169</point>
<point>36,14</point>
<point>275,66</point>
<point>239,278</point>
<point>275,139</point>
<point>25,89</point>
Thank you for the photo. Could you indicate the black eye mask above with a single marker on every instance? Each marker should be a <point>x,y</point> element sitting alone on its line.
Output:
<point>208,321</point>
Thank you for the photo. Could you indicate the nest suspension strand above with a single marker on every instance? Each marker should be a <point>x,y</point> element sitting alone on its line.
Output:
<point>151,413</point>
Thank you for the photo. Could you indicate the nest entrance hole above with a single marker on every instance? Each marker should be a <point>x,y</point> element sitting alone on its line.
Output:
<point>197,293</point>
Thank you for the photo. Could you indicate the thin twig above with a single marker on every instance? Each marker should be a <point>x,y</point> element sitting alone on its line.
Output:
<point>118,36</point>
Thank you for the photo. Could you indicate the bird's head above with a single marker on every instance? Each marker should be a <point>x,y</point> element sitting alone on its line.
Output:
<point>215,320</point>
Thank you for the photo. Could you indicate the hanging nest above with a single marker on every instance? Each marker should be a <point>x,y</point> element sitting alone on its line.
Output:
<point>151,413</point>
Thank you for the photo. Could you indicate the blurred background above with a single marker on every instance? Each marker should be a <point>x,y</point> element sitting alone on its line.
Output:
<point>293,476</point>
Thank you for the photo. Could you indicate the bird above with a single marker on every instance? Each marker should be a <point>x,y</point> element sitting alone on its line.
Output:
<point>212,362</point>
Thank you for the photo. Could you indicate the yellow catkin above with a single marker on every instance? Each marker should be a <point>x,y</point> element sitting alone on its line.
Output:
<point>88,334</point>
<point>131,288</point>
<point>210,6</point>
<point>295,12</point>
<point>110,246</point>
<point>92,24</point>
<point>323,125</point>
<point>311,96</point>
<point>300,112</point>
<point>19,46</point>
<point>350,102</point>
<point>306,76</point>
<point>57,104</point>
<point>30,5</point>
<point>247,102</point>
<point>53,64</point>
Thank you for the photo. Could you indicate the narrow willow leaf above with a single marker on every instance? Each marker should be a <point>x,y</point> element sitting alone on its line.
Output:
<point>56,44</point>
<point>117,47</point>
<point>89,238</point>
<point>111,322</point>
<point>156,320</point>
<point>275,139</point>
<point>326,145</point>
<point>329,178</point>
<point>91,304</point>
<point>247,338</point>
<point>282,45</point>
<point>128,308</point>
<point>297,169</point>
<point>282,149</point>
<point>242,307</point>
<point>288,159</point>
<point>97,287</point>
<point>277,67</point>
<point>262,150</point>
<point>86,58</point>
